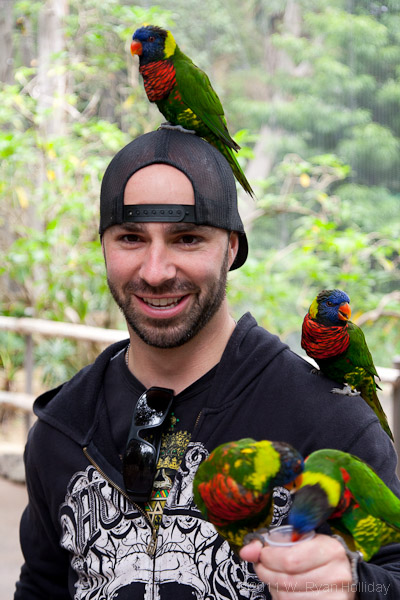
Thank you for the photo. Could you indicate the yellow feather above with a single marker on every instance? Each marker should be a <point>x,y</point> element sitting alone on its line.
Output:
<point>266,463</point>
<point>367,527</point>
<point>170,45</point>
<point>313,309</point>
<point>330,485</point>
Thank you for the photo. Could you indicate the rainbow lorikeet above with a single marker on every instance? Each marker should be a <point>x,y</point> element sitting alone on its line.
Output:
<point>183,92</point>
<point>343,490</point>
<point>339,348</point>
<point>233,486</point>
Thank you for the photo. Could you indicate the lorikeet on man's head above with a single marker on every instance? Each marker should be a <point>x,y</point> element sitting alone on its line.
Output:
<point>342,489</point>
<point>233,486</point>
<point>183,92</point>
<point>339,348</point>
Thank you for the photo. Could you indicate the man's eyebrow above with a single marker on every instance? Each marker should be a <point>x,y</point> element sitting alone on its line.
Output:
<point>183,227</point>
<point>131,226</point>
<point>135,227</point>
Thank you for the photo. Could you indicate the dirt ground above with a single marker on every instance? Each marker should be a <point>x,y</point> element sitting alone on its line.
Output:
<point>13,499</point>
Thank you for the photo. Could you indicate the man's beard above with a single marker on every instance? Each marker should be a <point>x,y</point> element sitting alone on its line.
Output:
<point>174,332</point>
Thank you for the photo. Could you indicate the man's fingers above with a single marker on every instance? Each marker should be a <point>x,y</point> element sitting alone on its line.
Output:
<point>251,552</point>
<point>316,568</point>
<point>303,557</point>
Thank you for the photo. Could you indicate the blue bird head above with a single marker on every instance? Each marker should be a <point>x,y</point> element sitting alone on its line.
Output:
<point>292,464</point>
<point>331,307</point>
<point>310,508</point>
<point>149,43</point>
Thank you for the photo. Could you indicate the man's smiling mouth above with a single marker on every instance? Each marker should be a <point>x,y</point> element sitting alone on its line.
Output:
<point>162,302</point>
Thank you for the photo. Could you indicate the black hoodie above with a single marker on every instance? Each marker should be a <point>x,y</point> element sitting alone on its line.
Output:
<point>81,536</point>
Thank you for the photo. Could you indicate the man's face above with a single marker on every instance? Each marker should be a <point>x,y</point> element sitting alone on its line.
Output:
<point>169,279</point>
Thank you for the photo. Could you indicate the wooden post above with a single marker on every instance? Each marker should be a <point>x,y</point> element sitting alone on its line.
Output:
<point>6,41</point>
<point>396,410</point>
<point>28,376</point>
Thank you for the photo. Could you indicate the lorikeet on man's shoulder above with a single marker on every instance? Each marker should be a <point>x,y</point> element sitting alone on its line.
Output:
<point>339,348</point>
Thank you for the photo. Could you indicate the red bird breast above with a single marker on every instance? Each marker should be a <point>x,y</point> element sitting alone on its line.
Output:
<point>322,342</point>
<point>227,501</point>
<point>158,78</point>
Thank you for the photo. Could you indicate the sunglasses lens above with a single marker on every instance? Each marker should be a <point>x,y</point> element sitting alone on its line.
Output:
<point>152,407</point>
<point>144,439</point>
<point>138,468</point>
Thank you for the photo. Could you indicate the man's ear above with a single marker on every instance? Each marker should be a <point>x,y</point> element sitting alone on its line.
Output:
<point>233,247</point>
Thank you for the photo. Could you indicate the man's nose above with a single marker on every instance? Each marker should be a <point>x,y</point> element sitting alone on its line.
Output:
<point>157,266</point>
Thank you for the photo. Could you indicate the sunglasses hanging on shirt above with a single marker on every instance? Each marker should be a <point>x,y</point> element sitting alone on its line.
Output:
<point>144,440</point>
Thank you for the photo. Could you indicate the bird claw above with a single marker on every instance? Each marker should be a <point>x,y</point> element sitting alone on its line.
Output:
<point>168,125</point>
<point>255,535</point>
<point>354,558</point>
<point>315,371</point>
<point>345,391</point>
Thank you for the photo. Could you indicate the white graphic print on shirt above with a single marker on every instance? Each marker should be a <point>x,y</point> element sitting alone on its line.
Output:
<point>108,540</point>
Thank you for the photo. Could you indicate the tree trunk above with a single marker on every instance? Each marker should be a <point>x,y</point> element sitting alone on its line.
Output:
<point>260,167</point>
<point>51,86</point>
<point>6,48</point>
<point>50,91</point>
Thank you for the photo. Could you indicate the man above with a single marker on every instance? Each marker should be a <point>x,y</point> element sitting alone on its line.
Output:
<point>111,460</point>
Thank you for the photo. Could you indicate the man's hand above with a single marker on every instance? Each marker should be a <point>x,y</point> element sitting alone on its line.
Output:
<point>316,568</point>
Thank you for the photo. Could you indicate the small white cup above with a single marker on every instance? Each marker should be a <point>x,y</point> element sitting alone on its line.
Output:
<point>282,536</point>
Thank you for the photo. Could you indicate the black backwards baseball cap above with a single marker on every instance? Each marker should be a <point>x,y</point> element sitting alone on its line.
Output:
<point>207,169</point>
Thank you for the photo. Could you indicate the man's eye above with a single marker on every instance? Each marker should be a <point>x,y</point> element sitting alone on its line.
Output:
<point>188,239</point>
<point>130,237</point>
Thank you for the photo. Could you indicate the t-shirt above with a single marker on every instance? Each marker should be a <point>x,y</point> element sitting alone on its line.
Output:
<point>122,390</point>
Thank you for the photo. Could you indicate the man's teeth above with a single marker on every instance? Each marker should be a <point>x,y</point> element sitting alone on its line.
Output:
<point>161,302</point>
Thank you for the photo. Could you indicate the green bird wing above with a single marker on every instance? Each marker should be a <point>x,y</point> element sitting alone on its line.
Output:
<point>367,488</point>
<point>364,532</point>
<point>358,352</point>
<point>199,96</point>
<point>362,377</point>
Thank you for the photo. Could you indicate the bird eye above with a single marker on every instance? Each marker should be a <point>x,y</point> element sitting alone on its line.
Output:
<point>151,38</point>
<point>328,303</point>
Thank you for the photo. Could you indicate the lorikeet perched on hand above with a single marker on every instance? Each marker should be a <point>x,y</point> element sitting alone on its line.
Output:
<point>233,486</point>
<point>183,92</point>
<point>342,489</point>
<point>339,348</point>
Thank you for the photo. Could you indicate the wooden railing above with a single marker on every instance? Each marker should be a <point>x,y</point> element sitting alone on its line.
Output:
<point>32,328</point>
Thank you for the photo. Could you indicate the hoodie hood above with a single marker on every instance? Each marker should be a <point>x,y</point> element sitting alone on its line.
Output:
<point>72,407</point>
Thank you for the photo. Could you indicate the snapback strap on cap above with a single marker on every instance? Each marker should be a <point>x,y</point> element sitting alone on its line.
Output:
<point>160,213</point>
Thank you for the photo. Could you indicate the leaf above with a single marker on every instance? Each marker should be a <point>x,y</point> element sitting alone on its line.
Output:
<point>22,197</point>
<point>304,180</point>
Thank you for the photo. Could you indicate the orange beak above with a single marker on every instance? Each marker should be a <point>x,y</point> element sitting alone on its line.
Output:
<point>295,536</point>
<point>344,311</point>
<point>136,48</point>
<point>295,483</point>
